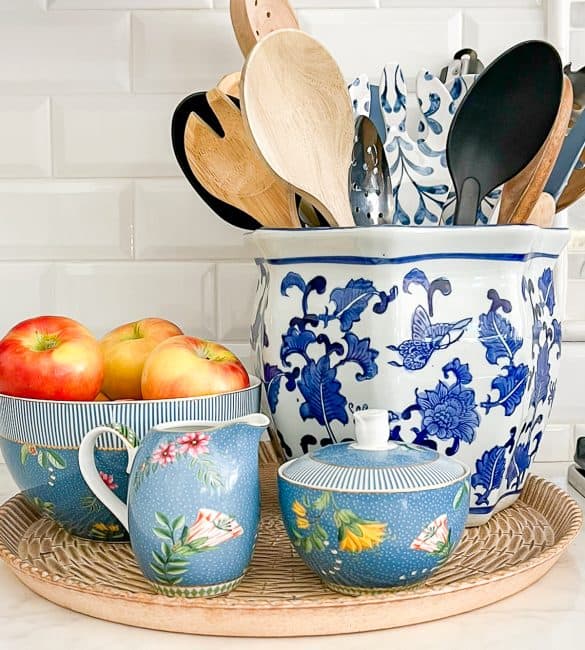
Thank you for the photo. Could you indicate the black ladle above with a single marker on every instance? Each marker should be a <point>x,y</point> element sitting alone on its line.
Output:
<point>502,122</point>
<point>197,103</point>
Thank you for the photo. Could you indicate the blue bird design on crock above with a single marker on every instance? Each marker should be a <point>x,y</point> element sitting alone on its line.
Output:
<point>426,338</point>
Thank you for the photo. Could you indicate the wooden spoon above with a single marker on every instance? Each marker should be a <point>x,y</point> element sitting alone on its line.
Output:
<point>521,193</point>
<point>543,212</point>
<point>254,19</point>
<point>575,188</point>
<point>230,168</point>
<point>297,106</point>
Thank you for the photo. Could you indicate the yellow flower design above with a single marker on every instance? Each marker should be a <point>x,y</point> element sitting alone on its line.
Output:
<point>371,533</point>
<point>106,528</point>
<point>299,509</point>
<point>303,523</point>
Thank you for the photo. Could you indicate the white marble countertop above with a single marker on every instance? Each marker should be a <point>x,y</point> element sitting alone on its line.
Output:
<point>547,615</point>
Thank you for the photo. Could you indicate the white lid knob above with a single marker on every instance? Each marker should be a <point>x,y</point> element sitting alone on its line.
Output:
<point>371,430</point>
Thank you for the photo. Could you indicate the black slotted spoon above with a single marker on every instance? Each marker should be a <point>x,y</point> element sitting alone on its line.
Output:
<point>502,122</point>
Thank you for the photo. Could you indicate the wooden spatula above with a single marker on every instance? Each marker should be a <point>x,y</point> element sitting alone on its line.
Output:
<point>297,106</point>
<point>254,19</point>
<point>230,168</point>
<point>230,84</point>
<point>521,193</point>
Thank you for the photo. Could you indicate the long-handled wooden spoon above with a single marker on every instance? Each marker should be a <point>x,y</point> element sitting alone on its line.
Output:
<point>230,168</point>
<point>521,193</point>
<point>254,19</point>
<point>297,106</point>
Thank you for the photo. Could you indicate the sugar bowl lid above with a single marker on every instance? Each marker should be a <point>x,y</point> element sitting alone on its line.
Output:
<point>373,463</point>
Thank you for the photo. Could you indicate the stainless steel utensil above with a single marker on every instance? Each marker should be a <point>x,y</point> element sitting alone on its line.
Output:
<point>370,191</point>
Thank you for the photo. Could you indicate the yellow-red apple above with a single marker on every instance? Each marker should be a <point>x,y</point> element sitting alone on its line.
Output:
<point>125,350</point>
<point>185,366</point>
<point>51,357</point>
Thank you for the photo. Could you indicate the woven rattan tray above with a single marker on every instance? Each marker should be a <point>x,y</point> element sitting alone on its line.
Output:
<point>280,596</point>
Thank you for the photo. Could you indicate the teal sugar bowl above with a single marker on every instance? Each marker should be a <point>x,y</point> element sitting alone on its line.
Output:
<point>373,515</point>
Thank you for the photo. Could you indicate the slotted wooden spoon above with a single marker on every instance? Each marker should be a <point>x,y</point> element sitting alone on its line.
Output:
<point>521,193</point>
<point>230,168</point>
<point>297,106</point>
<point>254,19</point>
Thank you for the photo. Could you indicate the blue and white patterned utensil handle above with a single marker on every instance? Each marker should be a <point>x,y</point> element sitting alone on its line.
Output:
<point>393,99</point>
<point>435,103</point>
<point>359,91</point>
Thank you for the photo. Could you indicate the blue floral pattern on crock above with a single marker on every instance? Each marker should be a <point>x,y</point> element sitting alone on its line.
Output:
<point>314,375</point>
<point>510,462</point>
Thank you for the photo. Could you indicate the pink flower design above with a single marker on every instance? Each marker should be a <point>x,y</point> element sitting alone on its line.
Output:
<point>193,443</point>
<point>108,479</point>
<point>216,527</point>
<point>434,538</point>
<point>164,454</point>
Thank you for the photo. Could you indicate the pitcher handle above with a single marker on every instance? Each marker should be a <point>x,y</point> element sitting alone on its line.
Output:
<point>92,477</point>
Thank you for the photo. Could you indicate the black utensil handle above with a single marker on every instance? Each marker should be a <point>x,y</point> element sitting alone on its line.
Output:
<point>467,203</point>
<point>579,457</point>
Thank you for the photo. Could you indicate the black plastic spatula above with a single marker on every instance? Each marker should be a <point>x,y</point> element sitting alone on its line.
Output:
<point>502,122</point>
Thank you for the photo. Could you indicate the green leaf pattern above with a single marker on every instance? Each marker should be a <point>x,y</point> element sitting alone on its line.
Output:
<point>180,542</point>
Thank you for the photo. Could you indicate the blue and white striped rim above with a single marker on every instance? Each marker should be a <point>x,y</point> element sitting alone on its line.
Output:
<point>307,473</point>
<point>63,425</point>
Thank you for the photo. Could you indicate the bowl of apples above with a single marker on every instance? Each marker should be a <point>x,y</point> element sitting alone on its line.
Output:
<point>57,382</point>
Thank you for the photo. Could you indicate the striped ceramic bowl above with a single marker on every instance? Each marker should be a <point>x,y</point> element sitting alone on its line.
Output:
<point>39,440</point>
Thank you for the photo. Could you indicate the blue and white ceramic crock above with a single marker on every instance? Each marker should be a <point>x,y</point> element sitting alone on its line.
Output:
<point>40,439</point>
<point>193,505</point>
<point>454,331</point>
<point>373,514</point>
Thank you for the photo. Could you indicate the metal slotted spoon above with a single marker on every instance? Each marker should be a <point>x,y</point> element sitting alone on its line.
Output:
<point>370,191</point>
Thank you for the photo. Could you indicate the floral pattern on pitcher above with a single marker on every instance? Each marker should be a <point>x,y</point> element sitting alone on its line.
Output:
<point>191,447</point>
<point>179,541</point>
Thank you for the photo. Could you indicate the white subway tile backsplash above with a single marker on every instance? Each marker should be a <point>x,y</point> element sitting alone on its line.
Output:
<point>96,220</point>
<point>28,290</point>
<point>103,295</point>
<point>236,287</point>
<point>493,4</point>
<point>129,4</point>
<point>113,135</point>
<point>568,404</point>
<point>64,52</point>
<point>578,14</point>
<point>24,137</point>
<point>22,4</point>
<point>182,51</point>
<point>172,222</point>
<point>365,40</point>
<point>54,220</point>
<point>577,48</point>
<point>489,33</point>
<point>556,445</point>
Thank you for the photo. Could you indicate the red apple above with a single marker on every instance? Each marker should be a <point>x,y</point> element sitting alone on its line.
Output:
<point>185,366</point>
<point>51,357</point>
<point>125,350</point>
